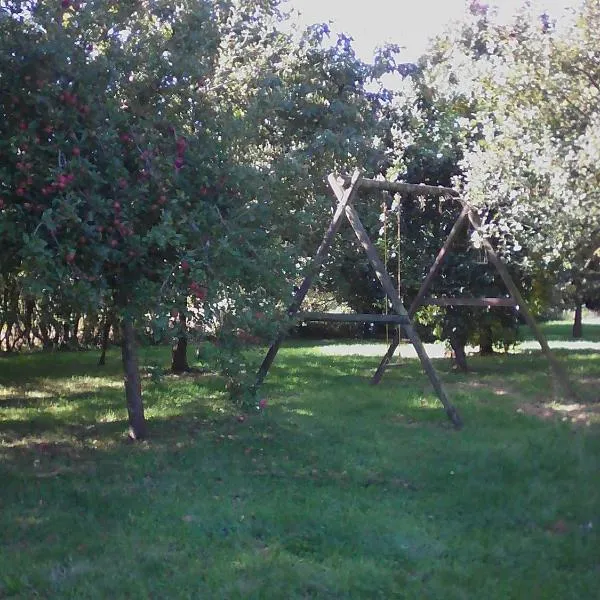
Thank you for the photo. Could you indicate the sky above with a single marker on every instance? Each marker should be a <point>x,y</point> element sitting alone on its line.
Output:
<point>410,23</point>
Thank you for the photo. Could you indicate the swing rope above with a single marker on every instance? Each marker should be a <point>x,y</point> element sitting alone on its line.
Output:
<point>398,238</point>
<point>385,210</point>
<point>385,262</point>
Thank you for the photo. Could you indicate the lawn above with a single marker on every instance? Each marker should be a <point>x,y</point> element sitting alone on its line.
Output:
<point>337,490</point>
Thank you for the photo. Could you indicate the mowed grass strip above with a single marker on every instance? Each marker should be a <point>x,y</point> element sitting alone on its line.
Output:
<point>337,490</point>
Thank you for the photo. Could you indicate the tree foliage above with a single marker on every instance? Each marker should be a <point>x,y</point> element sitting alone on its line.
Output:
<point>534,164</point>
<point>166,162</point>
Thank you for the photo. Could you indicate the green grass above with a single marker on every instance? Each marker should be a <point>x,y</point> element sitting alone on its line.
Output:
<point>561,330</point>
<point>337,490</point>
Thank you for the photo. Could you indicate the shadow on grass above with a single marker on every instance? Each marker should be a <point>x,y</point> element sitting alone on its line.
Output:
<point>56,380</point>
<point>27,368</point>
<point>321,402</point>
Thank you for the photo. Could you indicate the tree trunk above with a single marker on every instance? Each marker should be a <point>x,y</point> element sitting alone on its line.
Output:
<point>179,363</point>
<point>44,332</point>
<point>8,335</point>
<point>486,347</point>
<point>578,322</point>
<point>460,356</point>
<point>75,334</point>
<point>88,332</point>
<point>56,339</point>
<point>133,387</point>
<point>66,336</point>
<point>105,337</point>
<point>28,321</point>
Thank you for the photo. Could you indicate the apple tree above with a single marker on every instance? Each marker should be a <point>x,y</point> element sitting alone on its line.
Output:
<point>116,185</point>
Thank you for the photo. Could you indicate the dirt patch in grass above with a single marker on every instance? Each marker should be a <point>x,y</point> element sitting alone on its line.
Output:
<point>576,413</point>
<point>579,413</point>
<point>585,412</point>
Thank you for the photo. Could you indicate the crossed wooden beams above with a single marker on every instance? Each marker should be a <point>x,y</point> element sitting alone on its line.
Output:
<point>402,317</point>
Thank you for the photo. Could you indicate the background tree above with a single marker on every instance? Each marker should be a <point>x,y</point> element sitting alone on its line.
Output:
<point>534,166</point>
<point>432,111</point>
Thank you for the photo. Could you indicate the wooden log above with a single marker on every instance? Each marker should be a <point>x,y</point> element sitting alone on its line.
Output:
<point>509,302</point>
<point>397,305</point>
<point>353,318</point>
<point>433,271</point>
<point>560,373</point>
<point>405,188</point>
<point>345,198</point>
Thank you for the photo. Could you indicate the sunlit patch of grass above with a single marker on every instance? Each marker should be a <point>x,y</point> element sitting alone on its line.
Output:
<point>304,412</point>
<point>427,402</point>
<point>19,392</point>
<point>109,417</point>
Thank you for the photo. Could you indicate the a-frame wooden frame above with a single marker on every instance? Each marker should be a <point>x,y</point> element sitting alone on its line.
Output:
<point>345,208</point>
<point>516,300</point>
<point>345,191</point>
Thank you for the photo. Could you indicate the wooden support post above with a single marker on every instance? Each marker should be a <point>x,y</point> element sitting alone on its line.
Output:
<point>388,287</point>
<point>345,199</point>
<point>385,361</point>
<point>558,369</point>
<point>433,271</point>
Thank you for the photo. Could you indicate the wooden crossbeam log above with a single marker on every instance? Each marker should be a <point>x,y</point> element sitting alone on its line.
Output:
<point>469,302</point>
<point>354,318</point>
<point>404,188</point>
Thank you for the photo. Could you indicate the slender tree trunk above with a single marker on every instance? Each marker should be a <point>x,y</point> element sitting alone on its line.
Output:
<point>578,321</point>
<point>44,332</point>
<point>460,356</point>
<point>66,336</point>
<point>7,324</point>
<point>105,337</point>
<point>28,321</point>
<point>88,329</point>
<point>56,339</point>
<point>8,335</point>
<point>486,347</point>
<point>179,363</point>
<point>14,312</point>
<point>133,387</point>
<point>75,335</point>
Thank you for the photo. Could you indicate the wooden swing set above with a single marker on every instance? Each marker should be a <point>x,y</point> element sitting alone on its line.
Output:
<point>345,191</point>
